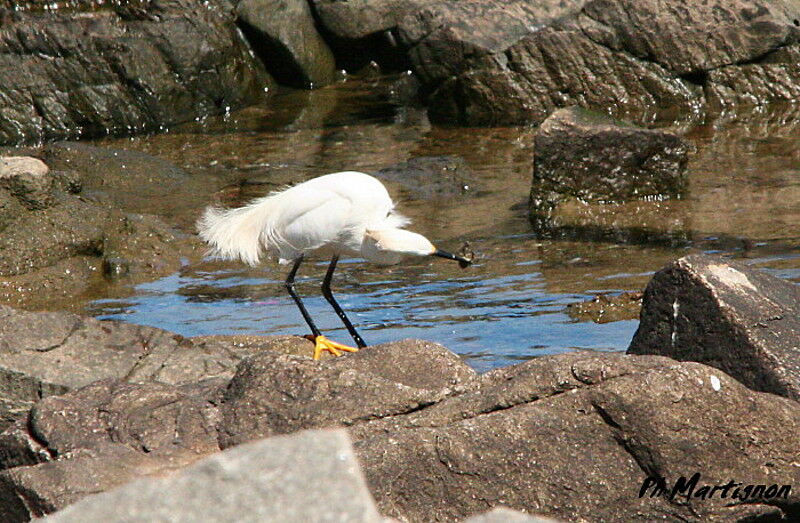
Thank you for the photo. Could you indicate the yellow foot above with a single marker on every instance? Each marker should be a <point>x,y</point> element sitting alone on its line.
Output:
<point>322,343</point>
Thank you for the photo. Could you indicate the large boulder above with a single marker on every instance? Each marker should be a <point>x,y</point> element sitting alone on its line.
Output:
<point>499,62</point>
<point>277,393</point>
<point>284,34</point>
<point>727,315</point>
<point>596,161</point>
<point>82,71</point>
<point>577,437</point>
<point>310,476</point>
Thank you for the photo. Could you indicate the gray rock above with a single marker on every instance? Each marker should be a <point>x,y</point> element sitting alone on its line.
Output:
<point>727,315</point>
<point>47,353</point>
<point>634,58</point>
<point>278,393</point>
<point>505,515</point>
<point>32,492</point>
<point>80,71</point>
<point>591,158</point>
<point>101,436</point>
<point>283,32</point>
<point>575,436</point>
<point>359,19</point>
<point>290,478</point>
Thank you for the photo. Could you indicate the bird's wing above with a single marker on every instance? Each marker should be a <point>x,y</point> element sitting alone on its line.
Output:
<point>314,219</point>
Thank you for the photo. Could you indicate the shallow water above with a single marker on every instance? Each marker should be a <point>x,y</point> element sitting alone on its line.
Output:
<point>743,201</point>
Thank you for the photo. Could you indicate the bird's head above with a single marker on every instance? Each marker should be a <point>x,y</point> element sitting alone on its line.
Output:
<point>390,245</point>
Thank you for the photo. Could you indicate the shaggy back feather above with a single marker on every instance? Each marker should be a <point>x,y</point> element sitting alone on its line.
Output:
<point>235,234</point>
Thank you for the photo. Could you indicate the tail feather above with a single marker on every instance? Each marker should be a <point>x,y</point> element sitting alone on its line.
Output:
<point>234,234</point>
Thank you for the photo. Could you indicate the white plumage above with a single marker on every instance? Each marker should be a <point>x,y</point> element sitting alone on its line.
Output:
<point>336,210</point>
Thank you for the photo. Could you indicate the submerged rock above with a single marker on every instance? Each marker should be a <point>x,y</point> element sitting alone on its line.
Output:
<point>432,176</point>
<point>585,158</point>
<point>88,70</point>
<point>726,315</point>
<point>283,33</point>
<point>605,308</point>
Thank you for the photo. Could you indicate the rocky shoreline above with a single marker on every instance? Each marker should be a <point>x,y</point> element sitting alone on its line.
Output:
<point>93,68</point>
<point>101,419</point>
<point>93,405</point>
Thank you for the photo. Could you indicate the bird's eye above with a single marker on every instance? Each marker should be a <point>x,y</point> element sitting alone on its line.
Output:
<point>388,214</point>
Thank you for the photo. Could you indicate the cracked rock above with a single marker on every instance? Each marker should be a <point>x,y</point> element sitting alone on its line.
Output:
<point>47,353</point>
<point>83,71</point>
<point>581,447</point>
<point>491,62</point>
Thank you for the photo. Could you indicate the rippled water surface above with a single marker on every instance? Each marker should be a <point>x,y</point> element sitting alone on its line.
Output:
<point>743,201</point>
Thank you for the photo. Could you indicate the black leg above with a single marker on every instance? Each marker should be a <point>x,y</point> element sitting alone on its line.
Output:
<point>326,291</point>
<point>290,287</point>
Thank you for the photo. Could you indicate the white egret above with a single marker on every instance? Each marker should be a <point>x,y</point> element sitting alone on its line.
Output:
<point>341,213</point>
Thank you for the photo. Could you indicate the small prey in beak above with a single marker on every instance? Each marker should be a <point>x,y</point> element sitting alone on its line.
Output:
<point>463,260</point>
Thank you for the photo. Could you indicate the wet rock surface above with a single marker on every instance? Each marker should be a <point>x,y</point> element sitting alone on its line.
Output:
<point>637,58</point>
<point>727,315</point>
<point>605,308</point>
<point>88,71</point>
<point>56,238</point>
<point>584,161</point>
<point>284,34</point>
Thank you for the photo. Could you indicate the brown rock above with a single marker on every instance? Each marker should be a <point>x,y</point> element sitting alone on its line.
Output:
<point>484,65</point>
<point>28,180</point>
<point>278,394</point>
<point>582,446</point>
<point>585,161</point>
<point>47,353</point>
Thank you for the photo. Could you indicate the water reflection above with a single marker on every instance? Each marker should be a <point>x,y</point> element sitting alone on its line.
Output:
<point>743,201</point>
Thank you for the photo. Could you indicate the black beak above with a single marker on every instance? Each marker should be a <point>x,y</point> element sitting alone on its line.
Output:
<point>462,262</point>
